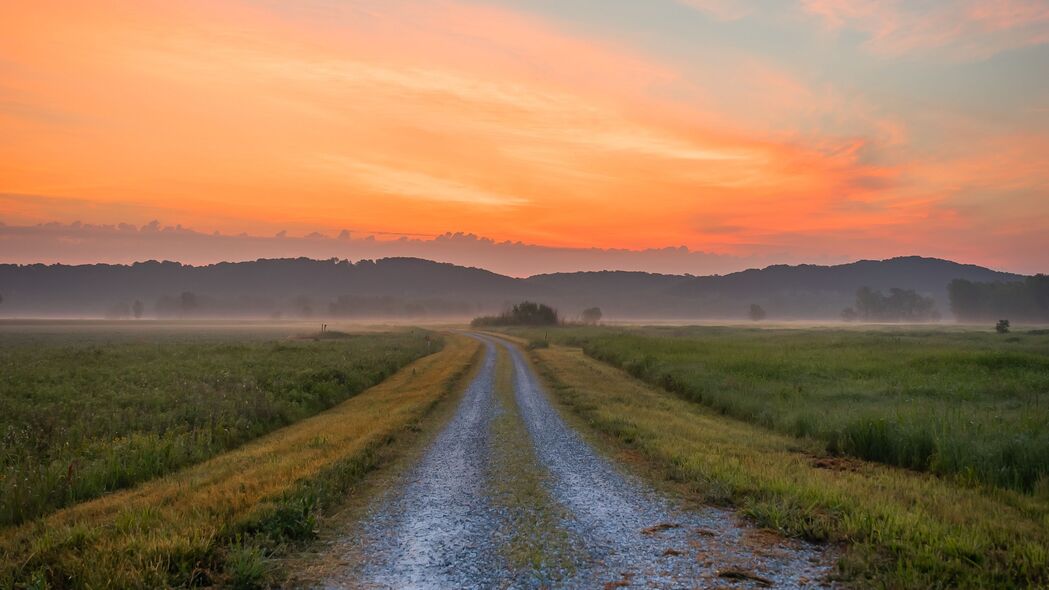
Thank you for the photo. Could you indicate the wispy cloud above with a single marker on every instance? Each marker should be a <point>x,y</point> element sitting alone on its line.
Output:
<point>726,10</point>
<point>967,29</point>
<point>416,185</point>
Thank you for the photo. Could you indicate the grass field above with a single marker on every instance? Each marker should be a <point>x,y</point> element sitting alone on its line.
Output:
<point>87,409</point>
<point>965,404</point>
<point>223,521</point>
<point>897,528</point>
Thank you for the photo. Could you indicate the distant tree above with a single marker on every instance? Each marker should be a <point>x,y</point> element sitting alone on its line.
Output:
<point>592,315</point>
<point>1002,327</point>
<point>137,308</point>
<point>849,314</point>
<point>304,306</point>
<point>525,313</point>
<point>900,305</point>
<point>977,302</point>
<point>188,302</point>
<point>756,312</point>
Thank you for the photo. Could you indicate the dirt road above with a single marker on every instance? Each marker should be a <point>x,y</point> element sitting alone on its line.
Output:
<point>451,523</point>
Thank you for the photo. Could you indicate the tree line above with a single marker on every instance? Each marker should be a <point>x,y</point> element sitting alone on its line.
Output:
<point>1026,300</point>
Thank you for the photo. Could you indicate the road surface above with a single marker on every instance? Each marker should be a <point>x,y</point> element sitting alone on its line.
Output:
<point>446,523</point>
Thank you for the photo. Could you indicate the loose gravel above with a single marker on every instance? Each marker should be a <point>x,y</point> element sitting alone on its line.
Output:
<point>434,529</point>
<point>638,537</point>
<point>440,528</point>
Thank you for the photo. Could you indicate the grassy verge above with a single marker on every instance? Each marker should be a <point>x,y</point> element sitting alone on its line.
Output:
<point>535,544</point>
<point>222,521</point>
<point>967,405</point>
<point>899,528</point>
<point>82,414</point>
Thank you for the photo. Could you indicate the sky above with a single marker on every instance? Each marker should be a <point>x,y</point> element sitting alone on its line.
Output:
<point>673,135</point>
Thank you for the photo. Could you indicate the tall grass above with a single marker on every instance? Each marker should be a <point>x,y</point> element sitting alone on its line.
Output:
<point>82,416</point>
<point>895,528</point>
<point>227,521</point>
<point>965,404</point>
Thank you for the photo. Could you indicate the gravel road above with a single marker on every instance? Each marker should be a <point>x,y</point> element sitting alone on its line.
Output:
<point>433,530</point>
<point>632,533</point>
<point>438,527</point>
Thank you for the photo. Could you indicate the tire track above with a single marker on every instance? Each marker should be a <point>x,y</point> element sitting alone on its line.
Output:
<point>637,537</point>
<point>435,529</point>
<point>453,519</point>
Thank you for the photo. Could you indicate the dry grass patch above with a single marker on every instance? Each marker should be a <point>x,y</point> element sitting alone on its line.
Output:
<point>900,528</point>
<point>221,521</point>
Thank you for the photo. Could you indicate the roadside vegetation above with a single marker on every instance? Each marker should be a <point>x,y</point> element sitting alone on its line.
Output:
<point>226,520</point>
<point>897,528</point>
<point>85,413</point>
<point>972,406</point>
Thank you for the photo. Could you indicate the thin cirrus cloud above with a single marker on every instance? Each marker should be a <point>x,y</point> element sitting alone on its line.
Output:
<point>955,30</point>
<point>432,116</point>
<point>967,29</point>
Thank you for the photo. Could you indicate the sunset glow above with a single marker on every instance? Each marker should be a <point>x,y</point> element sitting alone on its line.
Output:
<point>853,127</point>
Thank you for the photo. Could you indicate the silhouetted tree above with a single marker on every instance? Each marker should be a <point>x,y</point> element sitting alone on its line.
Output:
<point>592,315</point>
<point>304,306</point>
<point>137,308</point>
<point>188,302</point>
<point>1002,327</point>
<point>525,313</point>
<point>756,312</point>
<point>975,301</point>
<point>899,305</point>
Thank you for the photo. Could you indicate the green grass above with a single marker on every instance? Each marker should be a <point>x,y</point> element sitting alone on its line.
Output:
<point>970,405</point>
<point>87,412</point>
<point>893,527</point>
<point>230,520</point>
<point>532,538</point>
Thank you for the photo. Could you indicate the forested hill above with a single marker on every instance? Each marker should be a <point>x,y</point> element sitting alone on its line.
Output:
<point>410,287</point>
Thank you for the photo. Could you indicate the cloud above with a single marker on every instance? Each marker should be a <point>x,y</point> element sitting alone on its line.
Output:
<point>418,185</point>
<point>391,117</point>
<point>962,30</point>
<point>82,243</point>
<point>725,10</point>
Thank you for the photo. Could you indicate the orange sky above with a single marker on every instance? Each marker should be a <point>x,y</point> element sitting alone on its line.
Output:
<point>539,125</point>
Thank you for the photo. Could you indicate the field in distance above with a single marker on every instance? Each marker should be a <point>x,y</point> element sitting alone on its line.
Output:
<point>972,405</point>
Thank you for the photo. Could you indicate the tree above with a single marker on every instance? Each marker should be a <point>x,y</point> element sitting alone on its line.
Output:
<point>137,308</point>
<point>525,313</point>
<point>1027,300</point>
<point>592,315</point>
<point>188,302</point>
<point>756,313</point>
<point>899,305</point>
<point>1002,327</point>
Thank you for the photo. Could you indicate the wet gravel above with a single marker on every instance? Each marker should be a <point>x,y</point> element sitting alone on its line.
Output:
<point>438,526</point>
